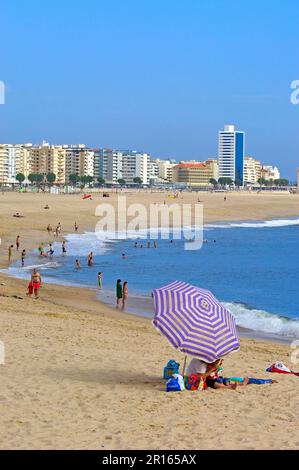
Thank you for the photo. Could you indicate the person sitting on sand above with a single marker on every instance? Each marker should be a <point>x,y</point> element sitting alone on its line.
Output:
<point>17,214</point>
<point>36,282</point>
<point>209,372</point>
<point>47,206</point>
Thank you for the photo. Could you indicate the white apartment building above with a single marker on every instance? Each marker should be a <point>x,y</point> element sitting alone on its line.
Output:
<point>135,165</point>
<point>14,159</point>
<point>252,170</point>
<point>269,172</point>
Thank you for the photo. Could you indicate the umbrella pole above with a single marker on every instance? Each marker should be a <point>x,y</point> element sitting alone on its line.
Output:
<point>184,366</point>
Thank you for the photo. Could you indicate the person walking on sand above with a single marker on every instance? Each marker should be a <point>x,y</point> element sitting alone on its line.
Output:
<point>78,264</point>
<point>18,242</point>
<point>49,229</point>
<point>36,282</point>
<point>23,256</point>
<point>119,292</point>
<point>10,253</point>
<point>100,279</point>
<point>125,294</point>
<point>76,226</point>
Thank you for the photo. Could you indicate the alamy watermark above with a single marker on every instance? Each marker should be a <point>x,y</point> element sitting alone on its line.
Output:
<point>2,92</point>
<point>295,92</point>
<point>152,222</point>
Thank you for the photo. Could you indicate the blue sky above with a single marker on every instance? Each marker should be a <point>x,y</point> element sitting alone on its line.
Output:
<point>160,76</point>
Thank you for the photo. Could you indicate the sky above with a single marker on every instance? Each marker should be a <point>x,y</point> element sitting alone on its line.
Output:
<point>161,76</point>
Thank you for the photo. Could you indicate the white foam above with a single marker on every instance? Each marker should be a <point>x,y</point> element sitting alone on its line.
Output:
<point>263,224</point>
<point>260,320</point>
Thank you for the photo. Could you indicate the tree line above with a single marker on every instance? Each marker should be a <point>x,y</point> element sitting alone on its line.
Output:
<point>74,179</point>
<point>224,181</point>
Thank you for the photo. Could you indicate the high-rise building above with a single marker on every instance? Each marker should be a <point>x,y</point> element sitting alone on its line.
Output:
<point>231,151</point>
<point>48,158</point>
<point>134,165</point>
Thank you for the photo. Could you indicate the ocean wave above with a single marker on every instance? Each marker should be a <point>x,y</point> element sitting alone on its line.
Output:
<point>260,320</point>
<point>262,224</point>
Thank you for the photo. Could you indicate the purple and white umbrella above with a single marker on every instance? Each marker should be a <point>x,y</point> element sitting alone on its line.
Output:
<point>194,321</point>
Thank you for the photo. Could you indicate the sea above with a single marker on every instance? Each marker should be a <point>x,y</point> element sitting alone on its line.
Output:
<point>251,267</point>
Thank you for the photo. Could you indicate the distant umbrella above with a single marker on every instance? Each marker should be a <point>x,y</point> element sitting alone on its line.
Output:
<point>194,321</point>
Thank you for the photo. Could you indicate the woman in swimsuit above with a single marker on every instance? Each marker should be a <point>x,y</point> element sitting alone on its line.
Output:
<point>125,294</point>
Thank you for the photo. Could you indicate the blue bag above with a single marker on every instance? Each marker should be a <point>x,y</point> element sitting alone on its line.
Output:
<point>171,369</point>
<point>175,384</point>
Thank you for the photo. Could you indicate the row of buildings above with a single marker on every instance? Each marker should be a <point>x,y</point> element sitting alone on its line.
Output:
<point>113,165</point>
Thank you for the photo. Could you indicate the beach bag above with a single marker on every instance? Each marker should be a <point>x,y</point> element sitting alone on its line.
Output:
<point>175,384</point>
<point>192,382</point>
<point>171,368</point>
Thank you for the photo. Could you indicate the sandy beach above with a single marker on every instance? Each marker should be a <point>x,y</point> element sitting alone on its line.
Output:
<point>81,375</point>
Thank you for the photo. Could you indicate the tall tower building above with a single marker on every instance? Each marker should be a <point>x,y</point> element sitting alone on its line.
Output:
<point>231,151</point>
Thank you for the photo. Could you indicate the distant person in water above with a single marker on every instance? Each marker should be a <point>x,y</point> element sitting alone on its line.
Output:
<point>18,242</point>
<point>124,256</point>
<point>51,251</point>
<point>148,244</point>
<point>100,280</point>
<point>78,264</point>
<point>36,282</point>
<point>63,247</point>
<point>135,245</point>
<point>125,294</point>
<point>119,292</point>
<point>155,245</point>
<point>10,253</point>
<point>23,256</point>
<point>90,259</point>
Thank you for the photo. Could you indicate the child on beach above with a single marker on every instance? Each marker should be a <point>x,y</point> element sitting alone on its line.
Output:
<point>119,292</point>
<point>100,280</point>
<point>10,252</point>
<point>30,289</point>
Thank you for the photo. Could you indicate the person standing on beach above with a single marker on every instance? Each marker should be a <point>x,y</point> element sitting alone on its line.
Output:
<point>18,242</point>
<point>23,256</point>
<point>76,226</point>
<point>100,280</point>
<point>36,282</point>
<point>119,292</point>
<point>51,251</point>
<point>10,253</point>
<point>49,229</point>
<point>125,294</point>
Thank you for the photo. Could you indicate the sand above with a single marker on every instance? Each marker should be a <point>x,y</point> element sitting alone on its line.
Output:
<point>81,375</point>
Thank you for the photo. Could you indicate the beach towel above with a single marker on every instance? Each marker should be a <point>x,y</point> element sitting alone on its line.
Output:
<point>252,380</point>
<point>280,368</point>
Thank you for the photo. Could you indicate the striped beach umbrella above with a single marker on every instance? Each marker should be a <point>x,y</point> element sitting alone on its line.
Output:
<point>194,321</point>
